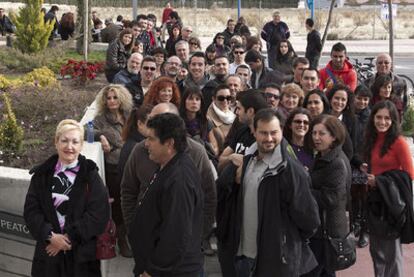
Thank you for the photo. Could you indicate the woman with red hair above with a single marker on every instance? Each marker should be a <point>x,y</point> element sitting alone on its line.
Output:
<point>163,90</point>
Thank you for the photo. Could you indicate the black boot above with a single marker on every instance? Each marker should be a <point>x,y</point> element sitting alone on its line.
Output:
<point>363,239</point>
<point>122,242</point>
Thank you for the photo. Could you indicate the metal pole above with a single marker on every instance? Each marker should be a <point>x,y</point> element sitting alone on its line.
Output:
<point>134,9</point>
<point>313,9</point>
<point>195,17</point>
<point>238,8</point>
<point>391,27</point>
<point>375,19</point>
<point>85,30</point>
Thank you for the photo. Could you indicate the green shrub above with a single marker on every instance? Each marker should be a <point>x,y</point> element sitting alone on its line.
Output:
<point>11,134</point>
<point>32,31</point>
<point>407,125</point>
<point>332,36</point>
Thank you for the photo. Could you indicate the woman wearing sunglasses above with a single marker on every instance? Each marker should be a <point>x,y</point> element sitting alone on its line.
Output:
<point>296,132</point>
<point>220,115</point>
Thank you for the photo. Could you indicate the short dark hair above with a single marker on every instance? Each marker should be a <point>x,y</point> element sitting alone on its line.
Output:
<point>338,47</point>
<point>197,54</point>
<point>148,59</point>
<point>298,60</point>
<point>159,50</point>
<point>266,115</point>
<point>174,15</point>
<point>152,17</point>
<point>363,91</point>
<point>310,22</point>
<point>252,98</point>
<point>220,87</point>
<point>54,8</point>
<point>170,126</point>
<point>311,69</point>
<point>230,20</point>
<point>221,57</point>
<point>253,56</point>
<point>211,49</point>
<point>272,85</point>
<point>142,16</point>
<point>334,126</point>
<point>119,18</point>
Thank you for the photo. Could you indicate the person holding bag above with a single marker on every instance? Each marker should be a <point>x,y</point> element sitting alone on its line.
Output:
<point>331,178</point>
<point>66,209</point>
<point>385,150</point>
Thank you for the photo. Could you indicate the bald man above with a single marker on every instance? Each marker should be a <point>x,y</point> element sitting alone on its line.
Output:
<point>383,64</point>
<point>139,169</point>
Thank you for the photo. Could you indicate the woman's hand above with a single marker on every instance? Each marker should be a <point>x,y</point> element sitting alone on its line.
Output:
<point>364,167</point>
<point>58,242</point>
<point>371,180</point>
<point>106,147</point>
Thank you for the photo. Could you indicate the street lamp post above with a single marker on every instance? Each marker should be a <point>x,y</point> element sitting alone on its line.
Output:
<point>134,9</point>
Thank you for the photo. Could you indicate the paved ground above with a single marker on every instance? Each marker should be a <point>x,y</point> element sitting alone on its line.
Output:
<point>362,268</point>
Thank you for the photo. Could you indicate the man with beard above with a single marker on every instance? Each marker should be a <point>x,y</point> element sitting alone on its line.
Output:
<point>221,71</point>
<point>129,76</point>
<point>197,76</point>
<point>338,71</point>
<point>172,67</point>
<point>266,210</point>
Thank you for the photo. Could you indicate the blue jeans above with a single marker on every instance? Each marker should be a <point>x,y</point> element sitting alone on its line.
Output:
<point>244,266</point>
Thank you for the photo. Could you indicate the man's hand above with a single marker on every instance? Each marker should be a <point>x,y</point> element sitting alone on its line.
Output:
<point>236,159</point>
<point>145,274</point>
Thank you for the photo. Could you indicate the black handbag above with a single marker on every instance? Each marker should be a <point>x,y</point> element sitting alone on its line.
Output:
<point>340,253</point>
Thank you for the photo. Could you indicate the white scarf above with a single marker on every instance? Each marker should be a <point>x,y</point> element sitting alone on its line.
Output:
<point>226,117</point>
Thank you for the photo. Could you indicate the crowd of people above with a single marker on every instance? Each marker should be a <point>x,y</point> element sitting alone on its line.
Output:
<point>269,155</point>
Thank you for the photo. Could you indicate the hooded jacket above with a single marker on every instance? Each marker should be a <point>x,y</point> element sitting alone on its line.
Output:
<point>346,76</point>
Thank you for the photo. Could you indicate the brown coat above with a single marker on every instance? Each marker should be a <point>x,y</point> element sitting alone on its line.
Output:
<point>220,129</point>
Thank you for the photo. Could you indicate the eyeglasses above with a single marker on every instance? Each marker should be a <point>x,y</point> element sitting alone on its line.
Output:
<point>304,122</point>
<point>238,52</point>
<point>149,68</point>
<point>221,98</point>
<point>271,95</point>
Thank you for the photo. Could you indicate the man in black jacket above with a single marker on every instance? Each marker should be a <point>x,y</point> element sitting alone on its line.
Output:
<point>166,232</point>
<point>266,210</point>
<point>261,75</point>
<point>314,46</point>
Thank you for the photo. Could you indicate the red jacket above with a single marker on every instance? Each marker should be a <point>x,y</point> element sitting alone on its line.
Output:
<point>345,76</point>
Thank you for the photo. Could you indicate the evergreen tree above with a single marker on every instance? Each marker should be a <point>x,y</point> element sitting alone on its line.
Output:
<point>31,30</point>
<point>11,134</point>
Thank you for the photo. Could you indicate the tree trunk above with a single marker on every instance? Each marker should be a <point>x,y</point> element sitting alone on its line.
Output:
<point>391,30</point>
<point>79,26</point>
<point>328,22</point>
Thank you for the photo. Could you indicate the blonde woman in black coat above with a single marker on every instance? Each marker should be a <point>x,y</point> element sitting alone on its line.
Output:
<point>66,208</point>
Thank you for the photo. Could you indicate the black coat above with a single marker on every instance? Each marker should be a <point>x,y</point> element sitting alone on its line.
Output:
<point>331,182</point>
<point>288,215</point>
<point>314,46</point>
<point>165,235</point>
<point>268,76</point>
<point>390,207</point>
<point>87,215</point>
